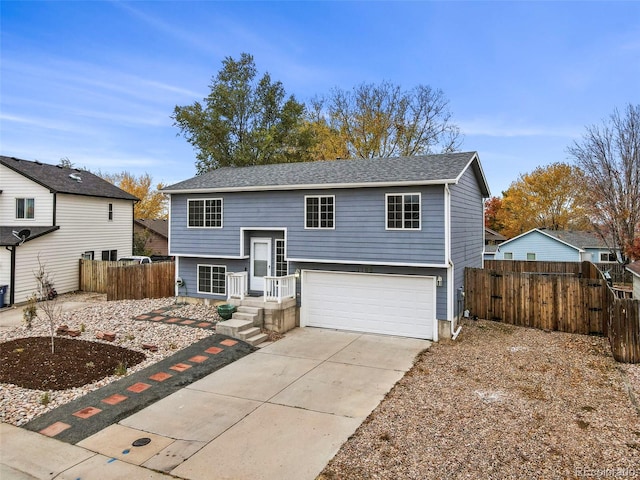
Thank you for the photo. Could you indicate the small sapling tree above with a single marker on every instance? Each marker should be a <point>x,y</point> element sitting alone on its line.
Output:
<point>49,307</point>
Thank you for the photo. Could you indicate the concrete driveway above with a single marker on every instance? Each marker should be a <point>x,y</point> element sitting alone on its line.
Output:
<point>279,413</point>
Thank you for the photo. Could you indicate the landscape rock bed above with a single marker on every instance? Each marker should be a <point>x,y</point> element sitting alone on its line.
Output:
<point>19,405</point>
<point>502,402</point>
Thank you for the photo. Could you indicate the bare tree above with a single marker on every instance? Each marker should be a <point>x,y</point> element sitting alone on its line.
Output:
<point>382,120</point>
<point>609,155</point>
<point>50,307</point>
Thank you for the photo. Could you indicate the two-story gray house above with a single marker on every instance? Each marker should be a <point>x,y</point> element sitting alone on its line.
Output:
<point>374,245</point>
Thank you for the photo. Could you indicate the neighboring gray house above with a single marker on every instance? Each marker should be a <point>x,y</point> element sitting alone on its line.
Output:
<point>374,245</point>
<point>634,268</point>
<point>556,246</point>
<point>491,241</point>
<point>63,214</point>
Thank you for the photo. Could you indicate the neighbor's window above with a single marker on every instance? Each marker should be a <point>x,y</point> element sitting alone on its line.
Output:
<point>111,211</point>
<point>109,255</point>
<point>508,255</point>
<point>212,279</point>
<point>608,257</point>
<point>87,255</point>
<point>531,256</point>
<point>319,211</point>
<point>205,213</point>
<point>403,211</point>
<point>25,208</point>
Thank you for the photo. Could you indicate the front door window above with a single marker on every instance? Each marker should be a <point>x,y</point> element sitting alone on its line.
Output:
<point>260,262</point>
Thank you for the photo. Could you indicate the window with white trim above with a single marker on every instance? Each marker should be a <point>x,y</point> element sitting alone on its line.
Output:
<point>110,212</point>
<point>403,211</point>
<point>607,257</point>
<point>212,279</point>
<point>531,256</point>
<point>507,256</point>
<point>204,213</point>
<point>281,263</point>
<point>25,208</point>
<point>319,211</point>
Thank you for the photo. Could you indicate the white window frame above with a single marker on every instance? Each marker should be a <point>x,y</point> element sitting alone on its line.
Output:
<point>531,254</point>
<point>25,208</point>
<point>507,256</point>
<point>608,255</point>
<point>224,275</point>
<point>280,246</point>
<point>333,213</point>
<point>403,195</point>
<point>219,199</point>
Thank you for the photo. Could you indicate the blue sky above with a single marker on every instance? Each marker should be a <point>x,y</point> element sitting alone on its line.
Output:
<point>97,81</point>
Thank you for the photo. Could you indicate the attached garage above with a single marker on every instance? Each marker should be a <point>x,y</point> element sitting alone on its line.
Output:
<point>403,305</point>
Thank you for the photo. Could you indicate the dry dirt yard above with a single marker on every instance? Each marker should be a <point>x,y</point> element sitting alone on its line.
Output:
<point>503,402</point>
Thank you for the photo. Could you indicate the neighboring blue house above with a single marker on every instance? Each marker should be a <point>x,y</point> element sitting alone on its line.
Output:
<point>374,245</point>
<point>556,246</point>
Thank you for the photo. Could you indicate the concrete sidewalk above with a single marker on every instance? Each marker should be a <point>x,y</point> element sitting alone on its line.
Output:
<point>279,413</point>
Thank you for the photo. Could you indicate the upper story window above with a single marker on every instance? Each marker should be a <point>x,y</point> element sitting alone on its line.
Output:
<point>205,213</point>
<point>110,211</point>
<point>25,208</point>
<point>403,211</point>
<point>319,211</point>
<point>608,257</point>
<point>507,256</point>
<point>531,256</point>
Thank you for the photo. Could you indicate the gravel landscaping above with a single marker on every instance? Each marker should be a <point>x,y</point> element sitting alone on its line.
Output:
<point>503,402</point>
<point>19,405</point>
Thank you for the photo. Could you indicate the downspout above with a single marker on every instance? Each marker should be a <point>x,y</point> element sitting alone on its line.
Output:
<point>450,269</point>
<point>12,279</point>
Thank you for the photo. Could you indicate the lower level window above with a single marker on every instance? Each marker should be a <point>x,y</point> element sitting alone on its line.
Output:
<point>531,256</point>
<point>212,279</point>
<point>109,255</point>
<point>508,255</point>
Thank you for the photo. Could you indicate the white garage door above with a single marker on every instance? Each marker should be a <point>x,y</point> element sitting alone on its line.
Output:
<point>402,305</point>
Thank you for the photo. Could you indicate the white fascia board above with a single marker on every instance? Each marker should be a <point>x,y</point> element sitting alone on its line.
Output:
<point>198,255</point>
<point>322,186</point>
<point>360,262</point>
<point>476,159</point>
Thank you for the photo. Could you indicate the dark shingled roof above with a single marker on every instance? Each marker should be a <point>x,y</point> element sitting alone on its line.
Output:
<point>634,268</point>
<point>58,179</point>
<point>420,169</point>
<point>159,226</point>
<point>579,238</point>
<point>7,238</point>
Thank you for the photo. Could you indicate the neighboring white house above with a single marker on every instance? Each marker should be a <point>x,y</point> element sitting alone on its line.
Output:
<point>57,215</point>
<point>557,246</point>
<point>634,268</point>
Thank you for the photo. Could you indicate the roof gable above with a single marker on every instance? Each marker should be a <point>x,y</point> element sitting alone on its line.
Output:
<point>415,170</point>
<point>65,180</point>
<point>536,231</point>
<point>159,226</point>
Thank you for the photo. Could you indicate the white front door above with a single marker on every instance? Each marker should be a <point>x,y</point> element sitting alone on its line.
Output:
<point>260,262</point>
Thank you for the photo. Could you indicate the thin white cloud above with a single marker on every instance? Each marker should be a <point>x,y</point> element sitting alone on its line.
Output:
<point>494,128</point>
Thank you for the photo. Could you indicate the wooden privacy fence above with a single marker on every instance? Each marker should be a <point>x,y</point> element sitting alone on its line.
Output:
<point>569,298</point>
<point>126,281</point>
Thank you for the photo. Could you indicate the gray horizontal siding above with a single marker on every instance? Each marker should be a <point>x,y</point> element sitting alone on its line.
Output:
<point>359,233</point>
<point>467,226</point>
<point>188,272</point>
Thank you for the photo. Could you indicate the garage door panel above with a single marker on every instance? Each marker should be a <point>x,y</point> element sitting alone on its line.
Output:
<point>388,304</point>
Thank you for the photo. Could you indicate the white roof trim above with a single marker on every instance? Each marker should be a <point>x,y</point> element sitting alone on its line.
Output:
<point>320,186</point>
<point>476,159</point>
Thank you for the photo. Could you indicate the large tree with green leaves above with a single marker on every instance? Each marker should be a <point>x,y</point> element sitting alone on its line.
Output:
<point>383,120</point>
<point>609,155</point>
<point>245,120</point>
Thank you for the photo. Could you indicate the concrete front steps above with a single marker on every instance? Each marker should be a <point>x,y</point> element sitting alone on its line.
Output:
<point>245,325</point>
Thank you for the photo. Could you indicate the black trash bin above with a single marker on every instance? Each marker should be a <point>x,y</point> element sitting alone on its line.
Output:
<point>3,290</point>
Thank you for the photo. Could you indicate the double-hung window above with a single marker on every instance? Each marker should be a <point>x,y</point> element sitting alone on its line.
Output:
<point>25,208</point>
<point>319,211</point>
<point>205,213</point>
<point>403,211</point>
<point>212,279</point>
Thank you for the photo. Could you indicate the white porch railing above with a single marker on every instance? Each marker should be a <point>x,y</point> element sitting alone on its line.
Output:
<point>278,288</point>
<point>237,285</point>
